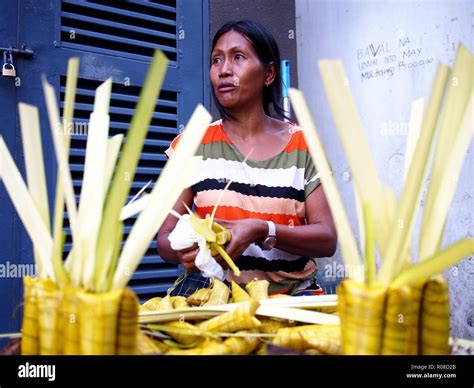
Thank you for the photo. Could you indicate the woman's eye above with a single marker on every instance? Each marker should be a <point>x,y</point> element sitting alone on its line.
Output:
<point>215,61</point>
<point>239,56</point>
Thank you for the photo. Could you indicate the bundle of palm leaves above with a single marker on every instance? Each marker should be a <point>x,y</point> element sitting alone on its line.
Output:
<point>82,305</point>
<point>403,307</point>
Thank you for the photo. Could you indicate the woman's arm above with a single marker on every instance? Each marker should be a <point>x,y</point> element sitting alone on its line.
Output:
<point>316,239</point>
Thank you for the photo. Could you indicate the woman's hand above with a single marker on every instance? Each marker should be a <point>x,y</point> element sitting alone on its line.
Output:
<point>187,257</point>
<point>244,232</point>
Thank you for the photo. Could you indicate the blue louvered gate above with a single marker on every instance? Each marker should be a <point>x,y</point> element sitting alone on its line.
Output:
<point>112,39</point>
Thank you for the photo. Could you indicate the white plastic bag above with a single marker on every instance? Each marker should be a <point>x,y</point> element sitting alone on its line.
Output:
<point>183,236</point>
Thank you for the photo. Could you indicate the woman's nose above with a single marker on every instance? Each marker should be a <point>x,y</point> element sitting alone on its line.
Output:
<point>225,69</point>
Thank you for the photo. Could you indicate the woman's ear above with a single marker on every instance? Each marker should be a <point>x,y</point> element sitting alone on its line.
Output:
<point>270,74</point>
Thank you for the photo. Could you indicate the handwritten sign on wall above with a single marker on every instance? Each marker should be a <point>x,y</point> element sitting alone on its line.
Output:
<point>385,59</point>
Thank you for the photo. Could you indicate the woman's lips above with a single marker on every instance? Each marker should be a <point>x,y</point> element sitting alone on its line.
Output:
<point>226,87</point>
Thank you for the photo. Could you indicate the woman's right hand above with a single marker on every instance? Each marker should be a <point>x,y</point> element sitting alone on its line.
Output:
<point>187,257</point>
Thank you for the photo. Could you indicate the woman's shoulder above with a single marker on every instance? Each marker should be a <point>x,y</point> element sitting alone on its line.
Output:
<point>214,133</point>
<point>297,140</point>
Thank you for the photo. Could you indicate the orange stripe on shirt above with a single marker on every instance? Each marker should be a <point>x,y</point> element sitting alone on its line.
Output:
<point>232,213</point>
<point>214,134</point>
<point>296,142</point>
<point>250,202</point>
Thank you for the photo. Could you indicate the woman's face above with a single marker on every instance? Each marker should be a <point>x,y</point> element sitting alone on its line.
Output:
<point>237,75</point>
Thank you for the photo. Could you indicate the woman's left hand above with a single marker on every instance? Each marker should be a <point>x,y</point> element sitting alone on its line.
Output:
<point>244,232</point>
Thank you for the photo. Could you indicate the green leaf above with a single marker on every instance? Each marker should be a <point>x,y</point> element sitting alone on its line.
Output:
<point>125,172</point>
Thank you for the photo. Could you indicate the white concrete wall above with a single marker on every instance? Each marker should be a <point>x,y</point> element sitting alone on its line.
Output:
<point>371,37</point>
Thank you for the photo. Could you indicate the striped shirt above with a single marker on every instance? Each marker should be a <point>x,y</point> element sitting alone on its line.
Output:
<point>274,189</point>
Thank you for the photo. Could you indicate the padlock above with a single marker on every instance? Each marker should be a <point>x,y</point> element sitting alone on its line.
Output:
<point>8,70</point>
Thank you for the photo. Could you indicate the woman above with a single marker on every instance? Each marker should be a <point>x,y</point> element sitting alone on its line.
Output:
<point>275,208</point>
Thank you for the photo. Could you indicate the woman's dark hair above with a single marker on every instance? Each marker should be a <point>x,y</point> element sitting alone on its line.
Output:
<point>267,50</point>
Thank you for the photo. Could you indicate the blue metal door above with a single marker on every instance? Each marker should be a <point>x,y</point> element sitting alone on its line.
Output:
<point>112,39</point>
<point>10,231</point>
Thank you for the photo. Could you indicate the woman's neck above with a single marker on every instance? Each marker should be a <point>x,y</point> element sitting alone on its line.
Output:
<point>247,124</point>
